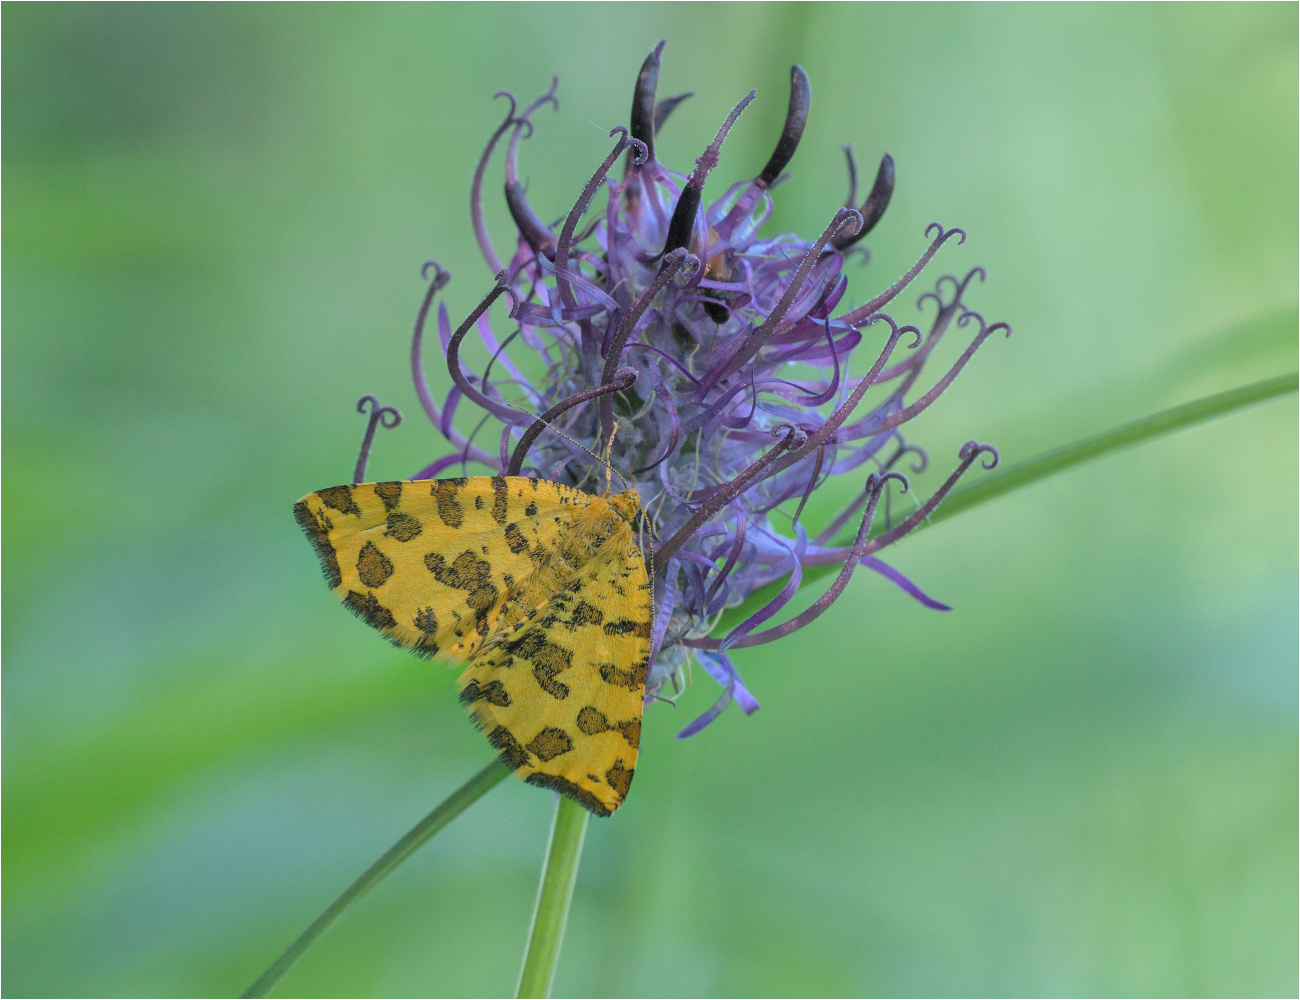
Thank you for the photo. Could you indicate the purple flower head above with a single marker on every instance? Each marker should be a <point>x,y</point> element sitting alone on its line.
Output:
<point>711,361</point>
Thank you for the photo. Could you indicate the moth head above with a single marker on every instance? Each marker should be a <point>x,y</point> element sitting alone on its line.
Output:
<point>626,504</point>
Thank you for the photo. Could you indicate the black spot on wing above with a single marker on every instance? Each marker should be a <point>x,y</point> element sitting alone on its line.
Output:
<point>633,680</point>
<point>547,659</point>
<point>499,494</point>
<point>317,529</point>
<point>628,626</point>
<point>592,721</point>
<point>493,692</point>
<point>508,747</point>
<point>550,743</point>
<point>373,567</point>
<point>339,498</point>
<point>515,539</point>
<point>369,610</point>
<point>586,614</point>
<point>426,646</point>
<point>403,527</point>
<point>564,786</point>
<point>631,730</point>
<point>389,493</point>
<point>446,494</point>
<point>471,574</point>
<point>619,778</point>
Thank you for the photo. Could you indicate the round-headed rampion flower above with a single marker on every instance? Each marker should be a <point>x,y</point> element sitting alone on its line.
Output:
<point>707,360</point>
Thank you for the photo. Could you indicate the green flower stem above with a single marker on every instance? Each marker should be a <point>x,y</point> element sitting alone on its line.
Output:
<point>1057,460</point>
<point>553,898</point>
<point>453,806</point>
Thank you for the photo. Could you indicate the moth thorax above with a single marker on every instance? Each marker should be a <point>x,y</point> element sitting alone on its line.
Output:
<point>627,505</point>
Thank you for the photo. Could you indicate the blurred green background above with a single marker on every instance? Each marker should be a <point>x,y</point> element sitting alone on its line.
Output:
<point>1081,781</point>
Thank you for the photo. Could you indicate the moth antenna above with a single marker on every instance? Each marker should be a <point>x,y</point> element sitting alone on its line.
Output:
<point>609,469</point>
<point>649,552</point>
<point>577,444</point>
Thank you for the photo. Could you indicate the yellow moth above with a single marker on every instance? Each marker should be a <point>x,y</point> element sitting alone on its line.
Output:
<point>539,588</point>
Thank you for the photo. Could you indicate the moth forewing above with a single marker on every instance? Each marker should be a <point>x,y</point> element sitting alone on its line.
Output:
<point>540,587</point>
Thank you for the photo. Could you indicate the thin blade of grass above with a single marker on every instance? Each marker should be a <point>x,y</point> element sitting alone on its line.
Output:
<point>1022,474</point>
<point>455,804</point>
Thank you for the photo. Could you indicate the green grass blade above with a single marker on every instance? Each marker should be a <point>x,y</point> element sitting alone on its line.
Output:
<point>1166,421</point>
<point>451,807</point>
<point>1032,470</point>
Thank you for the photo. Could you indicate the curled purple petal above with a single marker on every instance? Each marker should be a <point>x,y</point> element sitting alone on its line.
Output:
<point>783,597</point>
<point>894,576</point>
<point>721,669</point>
